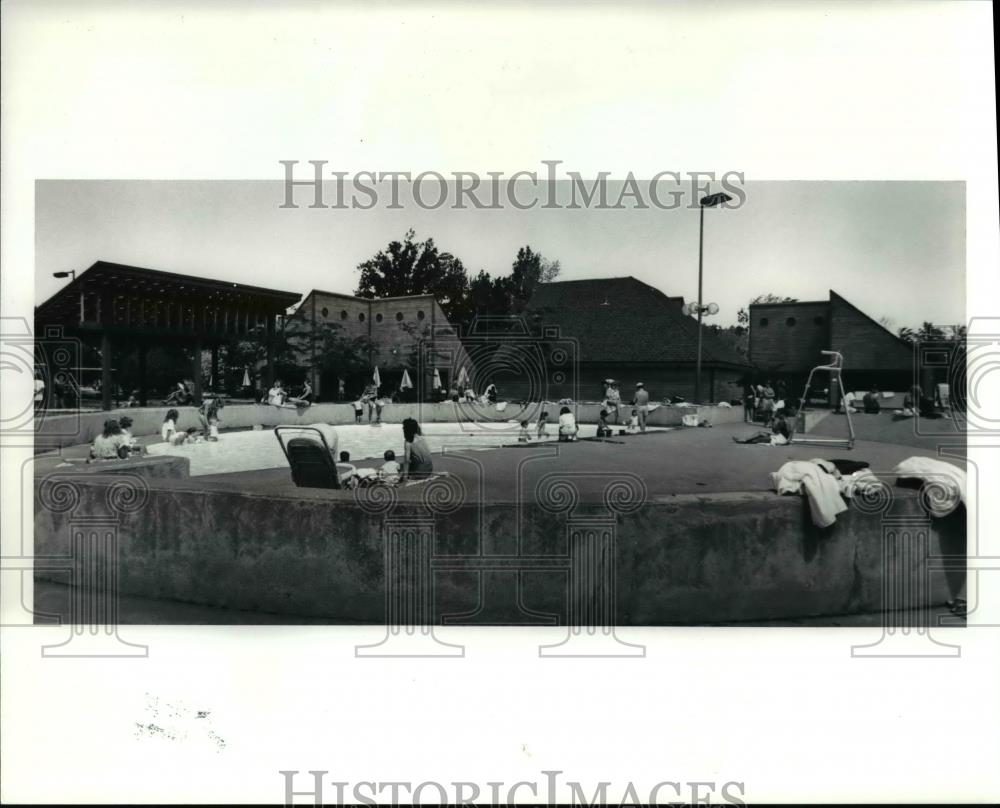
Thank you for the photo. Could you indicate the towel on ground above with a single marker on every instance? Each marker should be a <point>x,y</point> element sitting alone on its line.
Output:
<point>944,476</point>
<point>501,406</point>
<point>725,404</point>
<point>820,487</point>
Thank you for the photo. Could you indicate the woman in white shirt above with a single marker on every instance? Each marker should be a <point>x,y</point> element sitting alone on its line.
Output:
<point>567,425</point>
<point>276,395</point>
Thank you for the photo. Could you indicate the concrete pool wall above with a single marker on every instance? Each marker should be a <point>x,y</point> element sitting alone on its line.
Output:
<point>687,559</point>
<point>57,431</point>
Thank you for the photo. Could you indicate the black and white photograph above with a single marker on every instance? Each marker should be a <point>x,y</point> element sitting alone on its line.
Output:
<point>553,404</point>
<point>510,417</point>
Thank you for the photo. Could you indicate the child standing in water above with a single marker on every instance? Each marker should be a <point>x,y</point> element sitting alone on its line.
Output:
<point>359,409</point>
<point>543,426</point>
<point>633,423</point>
<point>523,436</point>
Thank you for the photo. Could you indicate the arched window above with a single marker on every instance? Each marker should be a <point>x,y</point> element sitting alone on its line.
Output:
<point>399,316</point>
<point>325,311</point>
<point>763,322</point>
<point>378,318</point>
<point>790,322</point>
<point>420,315</point>
<point>818,319</point>
<point>343,314</point>
<point>361,316</point>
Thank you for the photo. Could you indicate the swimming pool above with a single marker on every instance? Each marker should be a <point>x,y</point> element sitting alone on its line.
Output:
<point>259,449</point>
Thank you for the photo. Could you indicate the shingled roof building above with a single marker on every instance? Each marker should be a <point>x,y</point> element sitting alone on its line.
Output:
<point>786,340</point>
<point>630,331</point>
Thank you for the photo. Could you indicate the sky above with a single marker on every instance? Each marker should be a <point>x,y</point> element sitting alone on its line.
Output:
<point>894,249</point>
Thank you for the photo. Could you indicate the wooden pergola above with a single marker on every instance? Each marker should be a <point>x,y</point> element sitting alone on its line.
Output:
<point>126,305</point>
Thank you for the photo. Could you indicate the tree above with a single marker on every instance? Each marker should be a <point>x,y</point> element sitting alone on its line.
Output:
<point>413,267</point>
<point>528,270</point>
<point>743,315</point>
<point>929,332</point>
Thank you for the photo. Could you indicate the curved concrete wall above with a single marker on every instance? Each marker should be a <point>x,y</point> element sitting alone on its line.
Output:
<point>56,431</point>
<point>680,559</point>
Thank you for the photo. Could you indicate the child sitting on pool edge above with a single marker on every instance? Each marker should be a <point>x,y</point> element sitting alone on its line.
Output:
<point>523,436</point>
<point>603,430</point>
<point>390,471</point>
<point>346,470</point>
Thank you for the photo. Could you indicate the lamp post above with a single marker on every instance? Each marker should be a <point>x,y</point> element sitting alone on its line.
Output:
<point>709,201</point>
<point>67,274</point>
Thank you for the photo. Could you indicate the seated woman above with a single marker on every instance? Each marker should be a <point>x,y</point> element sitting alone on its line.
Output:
<point>915,402</point>
<point>417,460</point>
<point>779,435</point>
<point>603,430</point>
<point>304,399</point>
<point>276,395</point>
<point>126,426</point>
<point>567,425</point>
<point>871,403</point>
<point>178,396</point>
<point>111,444</point>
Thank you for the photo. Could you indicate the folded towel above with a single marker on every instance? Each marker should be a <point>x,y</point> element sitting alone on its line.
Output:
<point>945,481</point>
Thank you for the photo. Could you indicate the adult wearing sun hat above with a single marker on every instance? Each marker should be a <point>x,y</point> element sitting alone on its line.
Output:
<point>612,398</point>
<point>641,404</point>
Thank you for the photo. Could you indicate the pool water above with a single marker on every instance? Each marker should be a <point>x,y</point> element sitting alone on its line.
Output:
<point>250,451</point>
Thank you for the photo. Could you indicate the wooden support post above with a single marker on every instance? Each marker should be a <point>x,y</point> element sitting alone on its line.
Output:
<point>269,344</point>
<point>214,381</point>
<point>106,380</point>
<point>196,370</point>
<point>142,348</point>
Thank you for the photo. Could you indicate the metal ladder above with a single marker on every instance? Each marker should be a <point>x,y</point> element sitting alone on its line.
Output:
<point>834,368</point>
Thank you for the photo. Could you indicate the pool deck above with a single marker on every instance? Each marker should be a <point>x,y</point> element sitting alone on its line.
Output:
<point>688,461</point>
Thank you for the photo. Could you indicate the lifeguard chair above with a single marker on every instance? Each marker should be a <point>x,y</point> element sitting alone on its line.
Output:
<point>834,368</point>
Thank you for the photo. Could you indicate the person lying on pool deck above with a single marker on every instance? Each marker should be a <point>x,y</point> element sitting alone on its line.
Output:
<point>779,435</point>
<point>417,460</point>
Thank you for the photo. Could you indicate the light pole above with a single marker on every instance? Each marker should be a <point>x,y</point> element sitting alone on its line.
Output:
<point>709,201</point>
<point>67,274</point>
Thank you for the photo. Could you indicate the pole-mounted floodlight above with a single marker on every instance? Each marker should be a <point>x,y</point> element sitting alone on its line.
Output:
<point>67,274</point>
<point>710,201</point>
